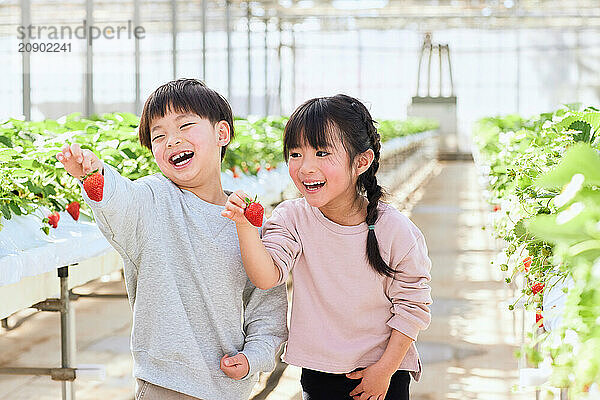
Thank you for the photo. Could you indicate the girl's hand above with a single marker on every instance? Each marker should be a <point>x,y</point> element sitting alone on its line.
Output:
<point>234,208</point>
<point>374,384</point>
<point>235,367</point>
<point>78,163</point>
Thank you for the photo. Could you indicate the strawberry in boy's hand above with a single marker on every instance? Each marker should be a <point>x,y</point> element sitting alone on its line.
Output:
<point>53,219</point>
<point>73,209</point>
<point>94,186</point>
<point>254,212</point>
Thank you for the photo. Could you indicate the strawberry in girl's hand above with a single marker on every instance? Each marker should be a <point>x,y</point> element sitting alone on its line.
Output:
<point>73,209</point>
<point>254,212</point>
<point>537,287</point>
<point>53,219</point>
<point>94,186</point>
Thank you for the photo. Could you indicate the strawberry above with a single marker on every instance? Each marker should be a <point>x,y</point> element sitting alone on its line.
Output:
<point>254,212</point>
<point>94,186</point>
<point>496,207</point>
<point>537,287</point>
<point>527,263</point>
<point>53,219</point>
<point>538,318</point>
<point>73,209</point>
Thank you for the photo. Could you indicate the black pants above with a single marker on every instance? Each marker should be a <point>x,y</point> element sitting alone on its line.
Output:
<point>324,386</point>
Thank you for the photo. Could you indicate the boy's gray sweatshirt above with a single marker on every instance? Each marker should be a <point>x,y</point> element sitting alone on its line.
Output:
<point>191,299</point>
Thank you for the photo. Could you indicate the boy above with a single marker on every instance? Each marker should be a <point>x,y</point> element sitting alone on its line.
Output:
<point>200,328</point>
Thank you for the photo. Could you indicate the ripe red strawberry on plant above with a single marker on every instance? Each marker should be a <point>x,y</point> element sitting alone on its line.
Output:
<point>254,212</point>
<point>527,263</point>
<point>94,186</point>
<point>496,207</point>
<point>538,318</point>
<point>537,287</point>
<point>73,209</point>
<point>53,219</point>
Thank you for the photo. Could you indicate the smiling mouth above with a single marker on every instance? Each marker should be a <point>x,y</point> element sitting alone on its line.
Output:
<point>181,159</point>
<point>313,186</point>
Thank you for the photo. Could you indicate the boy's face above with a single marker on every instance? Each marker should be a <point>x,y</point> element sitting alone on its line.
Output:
<point>187,147</point>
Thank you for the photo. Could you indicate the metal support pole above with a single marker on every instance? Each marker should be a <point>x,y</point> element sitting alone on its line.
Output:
<point>138,88</point>
<point>26,61</point>
<point>293,95</point>
<point>89,66</point>
<point>518,82</point>
<point>67,332</point>
<point>429,70</point>
<point>229,50</point>
<point>174,36</point>
<point>420,64</point>
<point>439,50</point>
<point>450,71</point>
<point>359,63</point>
<point>204,40</point>
<point>564,394</point>
<point>280,64</point>
<point>248,20</point>
<point>266,69</point>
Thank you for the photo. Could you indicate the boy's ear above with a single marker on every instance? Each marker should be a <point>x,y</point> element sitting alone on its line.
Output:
<point>223,133</point>
<point>364,161</point>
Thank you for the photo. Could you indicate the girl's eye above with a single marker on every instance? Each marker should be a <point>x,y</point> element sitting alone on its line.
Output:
<point>157,137</point>
<point>322,153</point>
<point>294,155</point>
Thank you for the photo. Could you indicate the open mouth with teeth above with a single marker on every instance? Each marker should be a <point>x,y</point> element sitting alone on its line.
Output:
<point>313,186</point>
<point>181,159</point>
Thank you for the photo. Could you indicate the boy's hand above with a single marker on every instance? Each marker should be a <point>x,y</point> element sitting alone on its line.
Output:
<point>234,208</point>
<point>78,163</point>
<point>374,384</point>
<point>235,367</point>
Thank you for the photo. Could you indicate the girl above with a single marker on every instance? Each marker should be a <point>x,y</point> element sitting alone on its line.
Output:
<point>360,268</point>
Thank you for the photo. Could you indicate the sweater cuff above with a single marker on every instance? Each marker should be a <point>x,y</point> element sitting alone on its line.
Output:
<point>257,362</point>
<point>404,326</point>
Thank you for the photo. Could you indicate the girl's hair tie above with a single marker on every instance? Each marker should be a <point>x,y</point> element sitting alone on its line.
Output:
<point>372,227</point>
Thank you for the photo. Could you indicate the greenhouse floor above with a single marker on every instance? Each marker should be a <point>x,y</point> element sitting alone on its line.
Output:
<point>467,351</point>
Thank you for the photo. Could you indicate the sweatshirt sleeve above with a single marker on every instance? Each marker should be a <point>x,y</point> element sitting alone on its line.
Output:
<point>282,243</point>
<point>118,216</point>
<point>409,291</point>
<point>265,326</point>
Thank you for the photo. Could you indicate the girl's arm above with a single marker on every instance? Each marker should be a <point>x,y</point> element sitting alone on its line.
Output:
<point>258,263</point>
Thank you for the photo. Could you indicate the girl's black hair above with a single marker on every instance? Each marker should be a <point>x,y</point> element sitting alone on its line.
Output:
<point>184,95</point>
<point>323,121</point>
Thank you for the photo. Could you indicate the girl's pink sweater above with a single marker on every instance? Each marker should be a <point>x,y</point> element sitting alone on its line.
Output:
<point>343,312</point>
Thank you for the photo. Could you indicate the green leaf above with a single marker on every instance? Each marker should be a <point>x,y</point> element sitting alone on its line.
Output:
<point>579,159</point>
<point>5,140</point>
<point>15,208</point>
<point>5,211</point>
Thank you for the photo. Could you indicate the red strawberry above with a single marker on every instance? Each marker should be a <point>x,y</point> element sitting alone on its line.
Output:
<point>73,209</point>
<point>254,212</point>
<point>496,207</point>
<point>94,186</point>
<point>53,219</point>
<point>537,287</point>
<point>527,263</point>
<point>538,318</point>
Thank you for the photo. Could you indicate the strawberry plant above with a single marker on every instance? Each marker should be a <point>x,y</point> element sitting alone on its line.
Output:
<point>544,174</point>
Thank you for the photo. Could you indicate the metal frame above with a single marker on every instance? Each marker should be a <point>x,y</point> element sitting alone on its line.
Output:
<point>67,373</point>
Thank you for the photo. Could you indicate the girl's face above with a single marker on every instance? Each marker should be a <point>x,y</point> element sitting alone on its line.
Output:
<point>187,147</point>
<point>323,176</point>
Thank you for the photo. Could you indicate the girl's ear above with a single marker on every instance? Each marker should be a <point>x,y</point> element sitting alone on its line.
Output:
<point>364,161</point>
<point>223,133</point>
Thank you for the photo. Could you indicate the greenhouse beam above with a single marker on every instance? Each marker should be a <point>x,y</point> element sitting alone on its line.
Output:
<point>249,33</point>
<point>26,62</point>
<point>89,66</point>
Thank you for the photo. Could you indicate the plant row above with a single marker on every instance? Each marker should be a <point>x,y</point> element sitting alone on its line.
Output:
<point>543,180</point>
<point>30,176</point>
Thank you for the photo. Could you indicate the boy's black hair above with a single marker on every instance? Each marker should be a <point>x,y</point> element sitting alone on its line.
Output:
<point>184,95</point>
<point>323,121</point>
